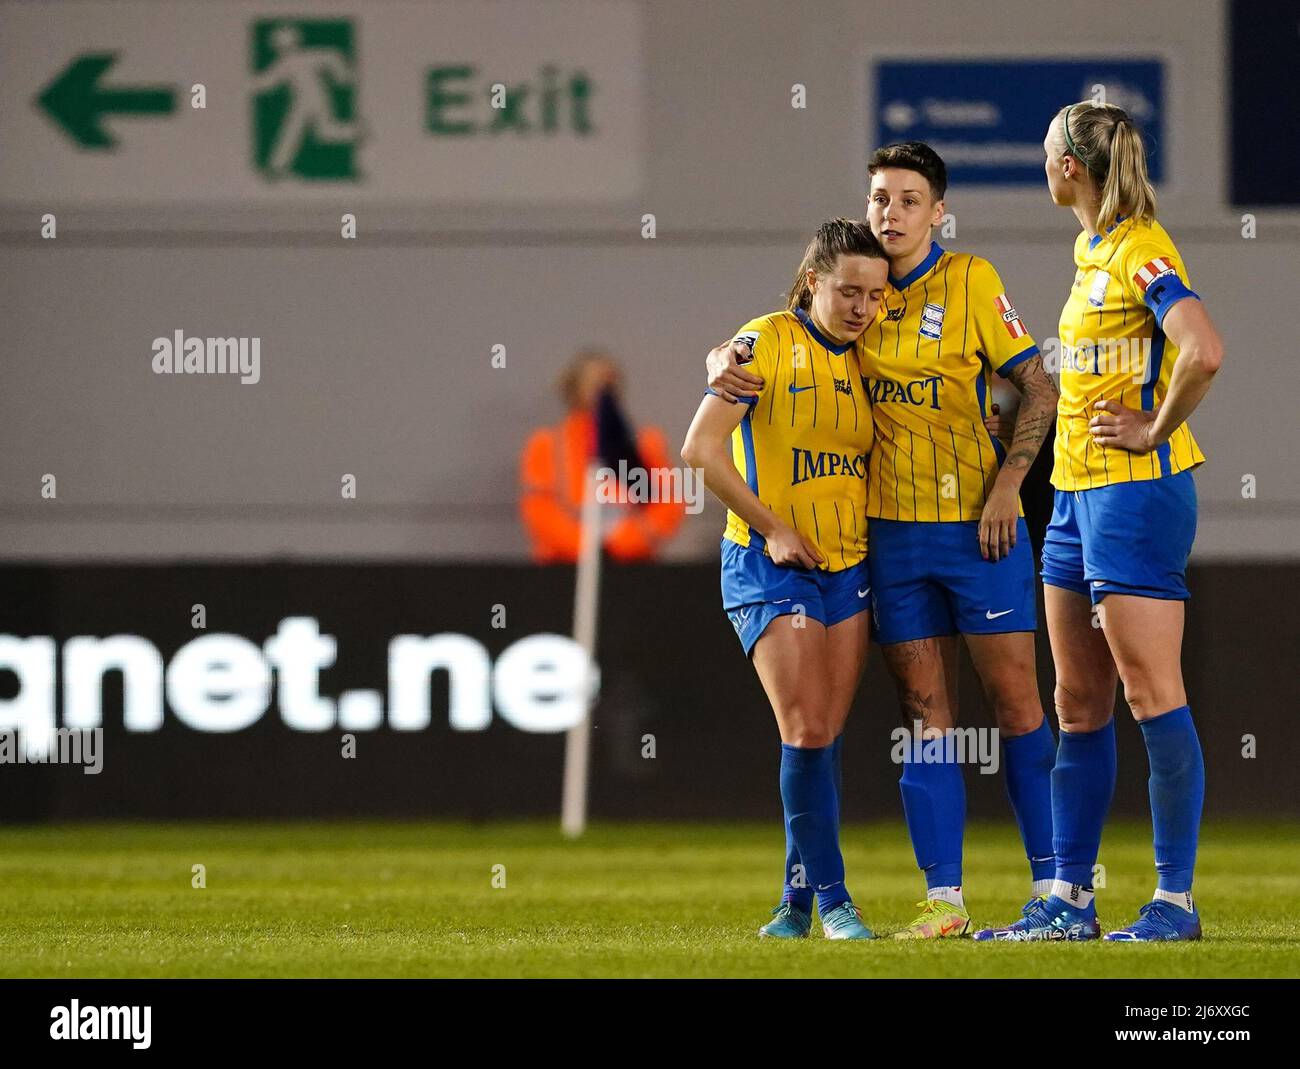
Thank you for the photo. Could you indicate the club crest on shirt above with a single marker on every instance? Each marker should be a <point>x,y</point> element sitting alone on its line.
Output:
<point>1097,295</point>
<point>932,321</point>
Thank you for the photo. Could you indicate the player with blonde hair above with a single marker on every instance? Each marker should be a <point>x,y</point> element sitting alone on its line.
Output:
<point>1139,353</point>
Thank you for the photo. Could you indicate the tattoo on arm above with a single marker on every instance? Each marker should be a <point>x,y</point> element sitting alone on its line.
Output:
<point>1039,397</point>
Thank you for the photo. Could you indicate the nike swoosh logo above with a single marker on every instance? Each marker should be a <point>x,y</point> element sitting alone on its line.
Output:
<point>864,593</point>
<point>781,602</point>
<point>989,615</point>
<point>800,389</point>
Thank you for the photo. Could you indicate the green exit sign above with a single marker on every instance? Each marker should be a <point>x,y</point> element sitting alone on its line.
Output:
<point>459,102</point>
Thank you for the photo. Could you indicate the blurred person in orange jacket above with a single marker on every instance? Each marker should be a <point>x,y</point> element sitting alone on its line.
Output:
<point>553,469</point>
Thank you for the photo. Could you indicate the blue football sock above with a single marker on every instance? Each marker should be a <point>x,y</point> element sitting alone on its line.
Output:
<point>1083,783</point>
<point>1028,761</point>
<point>797,888</point>
<point>794,870</point>
<point>836,747</point>
<point>811,813</point>
<point>934,802</point>
<point>1177,788</point>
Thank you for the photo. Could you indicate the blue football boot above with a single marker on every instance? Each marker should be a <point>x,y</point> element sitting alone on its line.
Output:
<point>1052,919</point>
<point>788,922</point>
<point>1159,921</point>
<point>844,922</point>
<point>1031,916</point>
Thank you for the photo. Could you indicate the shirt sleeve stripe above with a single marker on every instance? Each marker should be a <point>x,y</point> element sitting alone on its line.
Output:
<point>1019,358</point>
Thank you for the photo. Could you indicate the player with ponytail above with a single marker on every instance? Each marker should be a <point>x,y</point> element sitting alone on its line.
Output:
<point>790,464</point>
<point>1139,353</point>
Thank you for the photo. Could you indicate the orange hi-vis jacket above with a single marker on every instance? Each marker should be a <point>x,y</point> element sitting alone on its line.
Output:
<point>552,475</point>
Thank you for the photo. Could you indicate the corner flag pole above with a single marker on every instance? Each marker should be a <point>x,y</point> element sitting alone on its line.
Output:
<point>586,606</point>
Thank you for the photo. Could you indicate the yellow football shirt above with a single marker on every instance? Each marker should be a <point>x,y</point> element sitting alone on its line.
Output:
<point>1112,348</point>
<point>941,333</point>
<point>804,444</point>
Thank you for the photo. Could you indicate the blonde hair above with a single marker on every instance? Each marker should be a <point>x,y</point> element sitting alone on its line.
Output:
<point>834,238</point>
<point>1103,138</point>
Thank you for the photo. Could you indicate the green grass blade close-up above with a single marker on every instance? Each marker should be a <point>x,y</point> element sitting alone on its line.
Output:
<point>124,900</point>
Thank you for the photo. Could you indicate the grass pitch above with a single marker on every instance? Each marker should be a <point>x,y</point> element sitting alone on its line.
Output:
<point>413,900</point>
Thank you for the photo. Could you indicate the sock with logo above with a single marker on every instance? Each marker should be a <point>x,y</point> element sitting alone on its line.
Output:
<point>1083,783</point>
<point>1177,789</point>
<point>946,894</point>
<point>795,874</point>
<point>1078,895</point>
<point>1181,899</point>
<point>1028,760</point>
<point>934,803</point>
<point>811,811</point>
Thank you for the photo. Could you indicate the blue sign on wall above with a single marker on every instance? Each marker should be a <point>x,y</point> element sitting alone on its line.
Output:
<point>987,118</point>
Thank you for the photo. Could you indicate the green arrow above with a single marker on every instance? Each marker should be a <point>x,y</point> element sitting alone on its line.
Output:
<point>77,102</point>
